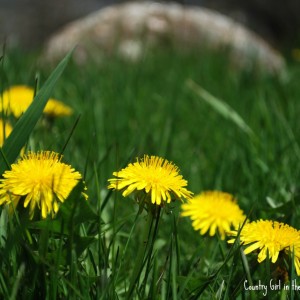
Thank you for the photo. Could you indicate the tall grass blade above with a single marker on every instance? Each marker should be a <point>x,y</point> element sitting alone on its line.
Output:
<point>221,107</point>
<point>16,285</point>
<point>18,137</point>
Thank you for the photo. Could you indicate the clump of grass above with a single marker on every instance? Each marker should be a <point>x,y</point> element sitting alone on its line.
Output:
<point>229,130</point>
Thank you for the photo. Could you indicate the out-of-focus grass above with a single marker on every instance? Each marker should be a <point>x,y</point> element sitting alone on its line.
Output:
<point>127,109</point>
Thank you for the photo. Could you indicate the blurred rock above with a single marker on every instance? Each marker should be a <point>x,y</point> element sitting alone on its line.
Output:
<point>131,28</point>
<point>28,23</point>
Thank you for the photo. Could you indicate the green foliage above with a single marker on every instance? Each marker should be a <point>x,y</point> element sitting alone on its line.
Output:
<point>246,142</point>
<point>23,128</point>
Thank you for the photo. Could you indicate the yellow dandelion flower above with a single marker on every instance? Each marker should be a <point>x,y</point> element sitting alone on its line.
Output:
<point>55,108</point>
<point>5,130</point>
<point>16,100</point>
<point>156,176</point>
<point>213,211</point>
<point>270,237</point>
<point>41,180</point>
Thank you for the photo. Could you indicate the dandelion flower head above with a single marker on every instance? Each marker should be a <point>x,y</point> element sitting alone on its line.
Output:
<point>213,211</point>
<point>55,108</point>
<point>158,177</point>
<point>17,99</point>
<point>41,180</point>
<point>270,237</point>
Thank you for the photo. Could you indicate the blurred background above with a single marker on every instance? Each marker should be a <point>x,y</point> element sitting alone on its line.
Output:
<point>28,23</point>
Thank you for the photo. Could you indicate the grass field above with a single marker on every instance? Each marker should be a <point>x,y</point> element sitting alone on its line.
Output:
<point>245,143</point>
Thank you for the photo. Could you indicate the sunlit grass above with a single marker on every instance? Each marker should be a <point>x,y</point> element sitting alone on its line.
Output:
<point>245,142</point>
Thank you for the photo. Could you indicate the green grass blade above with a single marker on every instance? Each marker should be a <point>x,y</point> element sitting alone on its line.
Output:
<point>18,137</point>
<point>248,273</point>
<point>16,285</point>
<point>221,107</point>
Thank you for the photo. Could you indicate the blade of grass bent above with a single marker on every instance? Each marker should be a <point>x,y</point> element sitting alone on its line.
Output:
<point>18,137</point>
<point>221,107</point>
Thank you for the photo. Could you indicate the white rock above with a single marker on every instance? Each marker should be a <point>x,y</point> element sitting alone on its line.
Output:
<point>129,28</point>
